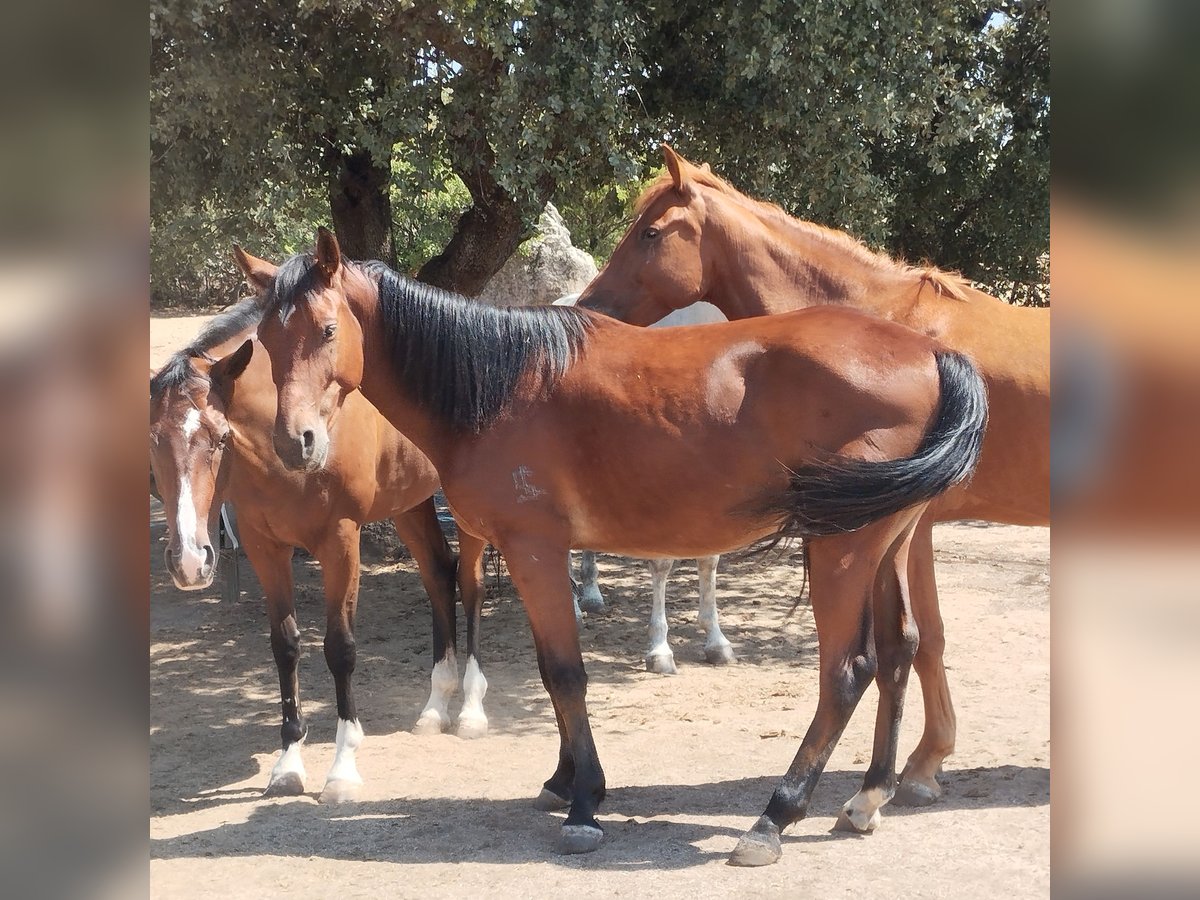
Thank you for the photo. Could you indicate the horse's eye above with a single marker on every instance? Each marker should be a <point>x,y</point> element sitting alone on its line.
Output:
<point>222,441</point>
<point>330,330</point>
<point>650,234</point>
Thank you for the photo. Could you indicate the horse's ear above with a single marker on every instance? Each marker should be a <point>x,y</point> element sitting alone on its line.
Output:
<point>677,166</point>
<point>260,274</point>
<point>329,254</point>
<point>225,371</point>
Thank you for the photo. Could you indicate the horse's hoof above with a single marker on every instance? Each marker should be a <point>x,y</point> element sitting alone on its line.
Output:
<point>430,723</point>
<point>289,784</point>
<point>719,656</point>
<point>661,664</point>
<point>340,791</point>
<point>845,822</point>
<point>548,801</point>
<point>579,839</point>
<point>590,604</point>
<point>759,846</point>
<point>471,728</point>
<point>911,792</point>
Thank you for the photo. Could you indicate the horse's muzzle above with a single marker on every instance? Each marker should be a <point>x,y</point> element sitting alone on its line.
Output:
<point>191,568</point>
<point>306,451</point>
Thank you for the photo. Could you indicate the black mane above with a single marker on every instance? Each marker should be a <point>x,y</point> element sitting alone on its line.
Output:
<point>178,370</point>
<point>463,360</point>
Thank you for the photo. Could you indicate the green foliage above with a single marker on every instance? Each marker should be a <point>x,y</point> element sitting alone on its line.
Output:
<point>598,216</point>
<point>921,127</point>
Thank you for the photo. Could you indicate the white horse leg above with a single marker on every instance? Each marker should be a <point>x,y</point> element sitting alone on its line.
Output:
<point>472,720</point>
<point>443,682</point>
<point>343,781</point>
<point>288,775</point>
<point>659,657</point>
<point>576,590</point>
<point>717,650</point>
<point>590,598</point>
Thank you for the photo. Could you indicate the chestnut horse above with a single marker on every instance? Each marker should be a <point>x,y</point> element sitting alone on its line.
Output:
<point>694,237</point>
<point>824,423</point>
<point>211,421</point>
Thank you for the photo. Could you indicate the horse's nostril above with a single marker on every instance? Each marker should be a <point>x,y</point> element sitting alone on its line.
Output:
<point>309,439</point>
<point>209,559</point>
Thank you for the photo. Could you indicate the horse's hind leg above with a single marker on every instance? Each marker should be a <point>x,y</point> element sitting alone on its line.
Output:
<point>590,598</point>
<point>659,657</point>
<point>843,572</point>
<point>272,563</point>
<point>717,649</point>
<point>422,534</point>
<point>338,556</point>
<point>918,783</point>
<point>472,720</point>
<point>896,639</point>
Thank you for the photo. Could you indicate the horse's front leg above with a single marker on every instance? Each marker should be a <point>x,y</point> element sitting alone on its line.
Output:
<point>717,649</point>
<point>472,720</point>
<point>537,571</point>
<point>659,657</point>
<point>422,534</point>
<point>272,563</point>
<point>339,560</point>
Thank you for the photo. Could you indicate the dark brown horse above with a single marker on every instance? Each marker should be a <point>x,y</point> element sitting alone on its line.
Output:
<point>694,237</point>
<point>211,420</point>
<point>827,424</point>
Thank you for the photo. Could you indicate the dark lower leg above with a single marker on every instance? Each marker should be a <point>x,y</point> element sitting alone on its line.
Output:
<point>895,644</point>
<point>340,568</point>
<point>537,572</point>
<point>562,783</point>
<point>421,532</point>
<point>272,563</point>
<point>842,572</point>
<point>285,645</point>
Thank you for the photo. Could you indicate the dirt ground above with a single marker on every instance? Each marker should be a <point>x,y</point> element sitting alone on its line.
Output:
<point>690,759</point>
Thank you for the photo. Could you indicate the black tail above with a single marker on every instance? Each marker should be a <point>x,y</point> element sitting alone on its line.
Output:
<point>837,495</point>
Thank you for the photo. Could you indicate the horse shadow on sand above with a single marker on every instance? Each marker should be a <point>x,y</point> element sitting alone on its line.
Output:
<point>646,826</point>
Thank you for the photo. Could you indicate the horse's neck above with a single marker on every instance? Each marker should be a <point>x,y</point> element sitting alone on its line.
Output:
<point>250,412</point>
<point>382,386</point>
<point>783,265</point>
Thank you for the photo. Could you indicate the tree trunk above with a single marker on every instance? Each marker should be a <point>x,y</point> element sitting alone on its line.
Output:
<point>361,207</point>
<point>488,233</point>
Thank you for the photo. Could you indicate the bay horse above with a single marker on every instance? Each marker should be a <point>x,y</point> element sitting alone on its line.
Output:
<point>695,237</point>
<point>212,417</point>
<point>826,424</point>
<point>586,591</point>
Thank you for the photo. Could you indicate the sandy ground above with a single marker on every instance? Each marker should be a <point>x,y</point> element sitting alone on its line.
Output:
<point>690,759</point>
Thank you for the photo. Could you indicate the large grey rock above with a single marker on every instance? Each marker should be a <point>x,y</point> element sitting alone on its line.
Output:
<point>546,267</point>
